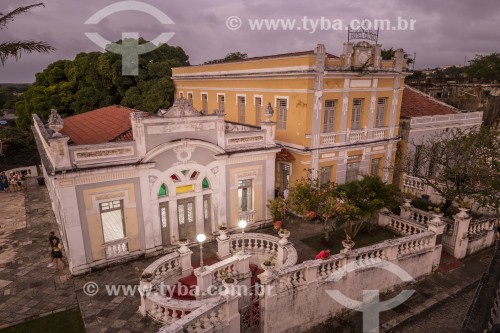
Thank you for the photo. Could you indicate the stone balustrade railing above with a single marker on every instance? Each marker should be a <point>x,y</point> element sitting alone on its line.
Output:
<point>338,265</point>
<point>480,228</point>
<point>254,243</point>
<point>165,267</point>
<point>333,138</point>
<point>410,182</point>
<point>263,247</point>
<point>116,248</point>
<point>167,310</point>
<point>404,227</point>
<point>208,318</point>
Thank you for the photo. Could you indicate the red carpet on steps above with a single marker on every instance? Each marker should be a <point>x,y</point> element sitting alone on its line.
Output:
<point>190,281</point>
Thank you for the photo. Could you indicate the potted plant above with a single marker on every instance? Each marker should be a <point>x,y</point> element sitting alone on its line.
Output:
<point>268,265</point>
<point>284,234</point>
<point>277,208</point>
<point>222,230</point>
<point>347,243</point>
<point>227,281</point>
<point>183,242</point>
<point>145,282</point>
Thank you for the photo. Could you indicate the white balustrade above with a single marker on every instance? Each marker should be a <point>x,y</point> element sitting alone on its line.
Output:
<point>330,267</point>
<point>292,279</point>
<point>208,318</point>
<point>248,217</point>
<point>479,228</point>
<point>169,311</point>
<point>416,245</point>
<point>254,243</point>
<point>165,266</point>
<point>116,248</point>
<point>368,257</point>
<point>327,139</point>
<point>404,227</point>
<point>355,136</point>
<point>410,182</point>
<point>379,134</point>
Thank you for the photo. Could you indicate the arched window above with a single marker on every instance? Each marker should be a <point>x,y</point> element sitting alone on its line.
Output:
<point>205,184</point>
<point>163,191</point>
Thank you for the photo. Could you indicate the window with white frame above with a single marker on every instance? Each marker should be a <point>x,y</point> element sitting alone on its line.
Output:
<point>329,116</point>
<point>282,110</point>
<point>325,175</point>
<point>352,171</point>
<point>245,194</point>
<point>221,99</point>
<point>258,109</point>
<point>204,103</point>
<point>375,167</point>
<point>357,107</point>
<point>241,109</point>
<point>379,119</point>
<point>112,220</point>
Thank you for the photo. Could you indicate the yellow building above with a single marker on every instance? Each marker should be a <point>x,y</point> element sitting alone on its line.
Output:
<point>337,116</point>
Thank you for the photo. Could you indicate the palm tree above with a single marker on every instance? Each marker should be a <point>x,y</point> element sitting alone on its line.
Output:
<point>15,48</point>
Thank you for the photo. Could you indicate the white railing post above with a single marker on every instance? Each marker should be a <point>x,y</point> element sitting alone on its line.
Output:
<point>406,210</point>
<point>436,225</point>
<point>185,263</point>
<point>462,222</point>
<point>384,217</point>
<point>203,280</point>
<point>223,247</point>
<point>232,313</point>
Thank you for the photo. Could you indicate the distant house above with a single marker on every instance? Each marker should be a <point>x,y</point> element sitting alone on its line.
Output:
<point>423,116</point>
<point>125,183</point>
<point>7,114</point>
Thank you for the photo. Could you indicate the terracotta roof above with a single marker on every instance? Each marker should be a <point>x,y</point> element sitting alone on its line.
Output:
<point>284,156</point>
<point>417,104</point>
<point>111,123</point>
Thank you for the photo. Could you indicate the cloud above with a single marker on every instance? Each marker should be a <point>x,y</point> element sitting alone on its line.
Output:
<point>446,31</point>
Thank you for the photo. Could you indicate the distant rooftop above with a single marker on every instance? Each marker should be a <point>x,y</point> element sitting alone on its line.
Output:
<point>107,124</point>
<point>281,55</point>
<point>417,104</point>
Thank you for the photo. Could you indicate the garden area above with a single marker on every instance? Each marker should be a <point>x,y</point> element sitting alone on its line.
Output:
<point>342,216</point>
<point>368,237</point>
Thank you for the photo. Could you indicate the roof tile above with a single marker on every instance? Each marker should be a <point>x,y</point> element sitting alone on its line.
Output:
<point>417,104</point>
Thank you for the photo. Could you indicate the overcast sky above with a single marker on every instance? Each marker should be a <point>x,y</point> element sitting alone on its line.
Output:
<point>445,31</point>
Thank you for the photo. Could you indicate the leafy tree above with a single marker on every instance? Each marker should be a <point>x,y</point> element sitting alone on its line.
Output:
<point>93,80</point>
<point>485,68</point>
<point>325,202</point>
<point>388,54</point>
<point>368,196</point>
<point>232,56</point>
<point>14,49</point>
<point>460,165</point>
<point>7,98</point>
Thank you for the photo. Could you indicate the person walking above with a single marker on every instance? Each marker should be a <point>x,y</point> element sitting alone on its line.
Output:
<point>57,249</point>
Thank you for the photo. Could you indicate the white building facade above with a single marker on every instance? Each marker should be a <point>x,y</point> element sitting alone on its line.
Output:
<point>168,178</point>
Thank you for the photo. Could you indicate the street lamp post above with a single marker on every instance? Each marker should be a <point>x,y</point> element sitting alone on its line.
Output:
<point>201,238</point>
<point>242,224</point>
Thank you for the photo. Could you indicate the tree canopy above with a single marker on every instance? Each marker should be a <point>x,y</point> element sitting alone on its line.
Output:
<point>93,80</point>
<point>232,56</point>
<point>460,165</point>
<point>14,49</point>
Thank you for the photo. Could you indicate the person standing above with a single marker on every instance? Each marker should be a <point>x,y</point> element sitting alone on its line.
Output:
<point>4,183</point>
<point>57,249</point>
<point>52,236</point>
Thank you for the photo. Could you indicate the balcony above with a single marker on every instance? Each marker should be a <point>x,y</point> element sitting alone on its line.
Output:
<point>353,136</point>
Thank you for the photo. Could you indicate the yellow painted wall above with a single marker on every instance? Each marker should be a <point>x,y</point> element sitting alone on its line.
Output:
<point>275,62</point>
<point>94,224</point>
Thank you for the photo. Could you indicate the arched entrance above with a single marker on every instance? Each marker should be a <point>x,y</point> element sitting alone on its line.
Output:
<point>185,199</point>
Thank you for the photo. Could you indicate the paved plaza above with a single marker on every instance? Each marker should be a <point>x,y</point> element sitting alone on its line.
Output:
<point>29,289</point>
